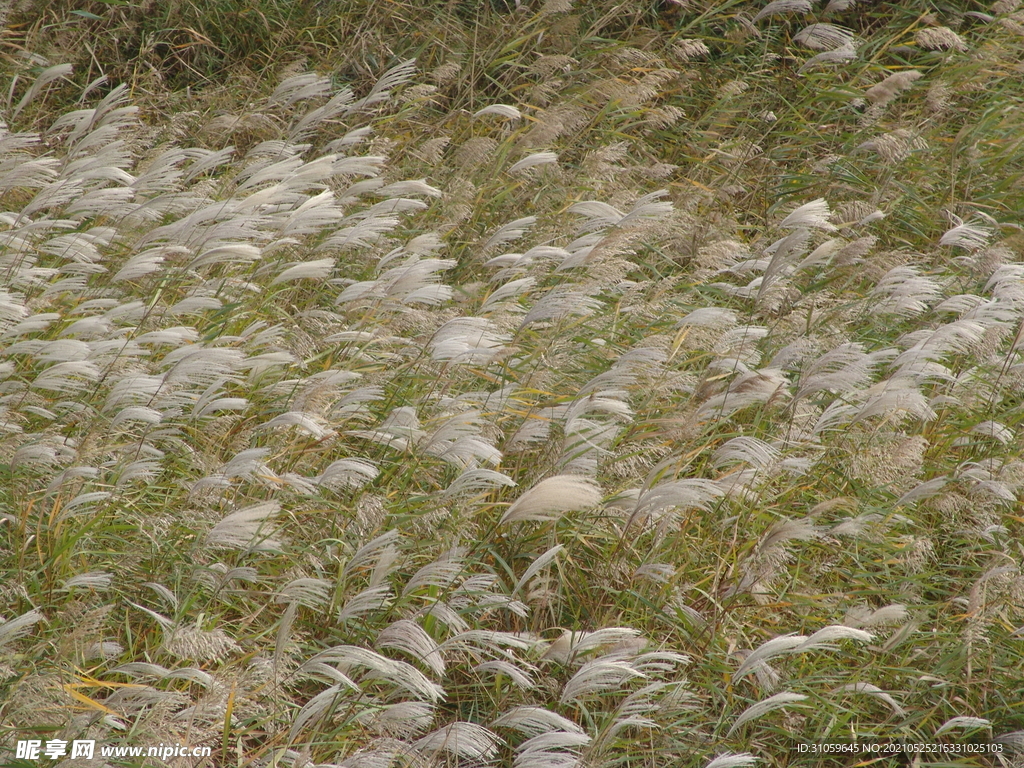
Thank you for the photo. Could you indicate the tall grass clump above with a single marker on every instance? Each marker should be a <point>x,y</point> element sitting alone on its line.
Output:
<point>516,384</point>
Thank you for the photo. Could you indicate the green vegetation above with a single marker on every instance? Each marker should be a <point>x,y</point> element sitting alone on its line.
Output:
<point>449,383</point>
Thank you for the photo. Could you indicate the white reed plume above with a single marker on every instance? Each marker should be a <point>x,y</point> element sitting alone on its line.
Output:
<point>69,377</point>
<point>711,317</point>
<point>750,450</point>
<point>12,629</point>
<point>196,364</point>
<point>509,232</point>
<point>477,481</point>
<point>44,450</point>
<point>103,121</point>
<point>579,252</point>
<point>312,593</point>
<point>777,7</point>
<point>82,503</point>
<point>245,464</point>
<point>887,615</point>
<point>873,690</point>
<point>440,573</point>
<point>599,676</point>
<point>441,611</point>
<point>302,421</point>
<point>403,720</point>
<point>814,214</point>
<point>104,650</point>
<point>210,403</point>
<point>777,646</point>
<point>308,85</point>
<point>570,645</point>
<point>339,103</point>
<point>193,642</point>
<point>460,441</point>
<point>398,75</point>
<point>963,723</point>
<point>841,370</point>
<point>147,262</point>
<point>586,442</point>
<point>607,402</point>
<point>247,529</point>
<point>170,598</point>
<point>502,110</point>
<point>560,303</point>
<point>468,340</point>
<point>409,637</point>
<point>409,187</point>
<point>44,78</point>
<point>783,253</point>
<point>939,39</point>
<point>494,643</point>
<point>133,388</point>
<point>882,93</point>
<point>360,234</point>
<point>381,548</point>
<point>602,215</point>
<point>733,760</point>
<point>464,741</point>
<point>551,750</point>
<point>143,469</point>
<point>895,397</point>
<point>227,253</point>
<point>311,217</point>
<point>206,160</point>
<point>518,675</point>
<point>318,269</point>
<point>739,343</point>
<point>537,566</point>
<point>534,160</point>
<point>140,669</point>
<point>675,495</point>
<point>895,146</point>
<point>822,639</point>
<point>58,350</point>
<point>416,281</point>
<point>193,305</point>
<point>519,261</point>
<point>368,601</point>
<point>36,173</point>
<point>749,388</point>
<point>918,363</point>
<point>825,37</point>
<point>535,721</point>
<point>501,297</point>
<point>660,573</point>
<point>762,708</point>
<point>552,497</point>
<point>346,658</point>
<point>99,581</point>
<point>347,473</point>
<point>648,207</point>
<point>318,707</point>
<point>687,49</point>
<point>966,236</point>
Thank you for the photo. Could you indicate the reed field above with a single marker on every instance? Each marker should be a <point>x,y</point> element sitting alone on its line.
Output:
<point>542,384</point>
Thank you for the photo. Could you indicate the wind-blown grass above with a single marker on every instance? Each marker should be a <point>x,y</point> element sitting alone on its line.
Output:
<point>611,393</point>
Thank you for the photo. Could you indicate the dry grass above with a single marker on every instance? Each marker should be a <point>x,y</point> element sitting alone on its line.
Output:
<point>599,386</point>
